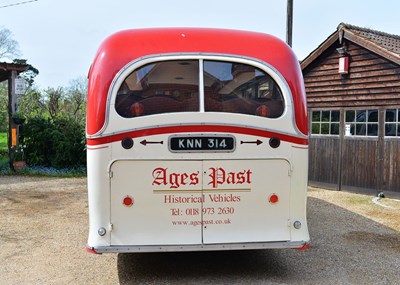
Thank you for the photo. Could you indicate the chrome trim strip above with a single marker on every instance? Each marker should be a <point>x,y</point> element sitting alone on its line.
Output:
<point>200,247</point>
<point>201,85</point>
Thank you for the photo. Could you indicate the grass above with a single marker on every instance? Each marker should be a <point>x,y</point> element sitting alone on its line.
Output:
<point>3,141</point>
<point>359,200</point>
<point>3,150</point>
<point>362,204</point>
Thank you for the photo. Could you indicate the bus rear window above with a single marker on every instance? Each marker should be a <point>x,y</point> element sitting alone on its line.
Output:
<point>240,88</point>
<point>173,86</point>
<point>162,87</point>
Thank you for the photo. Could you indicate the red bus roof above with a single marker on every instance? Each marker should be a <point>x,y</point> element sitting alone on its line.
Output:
<point>123,47</point>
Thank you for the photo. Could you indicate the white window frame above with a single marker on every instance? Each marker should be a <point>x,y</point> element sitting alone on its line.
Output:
<point>355,123</point>
<point>396,122</point>
<point>321,122</point>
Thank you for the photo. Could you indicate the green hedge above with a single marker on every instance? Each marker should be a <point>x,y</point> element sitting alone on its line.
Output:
<point>58,143</point>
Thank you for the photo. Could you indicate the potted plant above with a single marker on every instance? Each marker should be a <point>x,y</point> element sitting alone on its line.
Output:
<point>19,157</point>
<point>18,118</point>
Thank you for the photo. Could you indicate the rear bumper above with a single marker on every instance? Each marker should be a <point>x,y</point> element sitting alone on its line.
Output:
<point>301,245</point>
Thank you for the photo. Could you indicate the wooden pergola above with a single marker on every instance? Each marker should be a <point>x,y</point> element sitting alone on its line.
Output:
<point>10,71</point>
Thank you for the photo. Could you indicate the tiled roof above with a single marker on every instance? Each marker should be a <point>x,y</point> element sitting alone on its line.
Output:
<point>383,44</point>
<point>389,42</point>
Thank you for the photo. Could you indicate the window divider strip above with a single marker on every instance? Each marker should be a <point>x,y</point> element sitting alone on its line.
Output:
<point>201,86</point>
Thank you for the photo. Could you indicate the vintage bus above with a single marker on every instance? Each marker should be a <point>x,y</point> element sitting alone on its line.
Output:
<point>196,140</point>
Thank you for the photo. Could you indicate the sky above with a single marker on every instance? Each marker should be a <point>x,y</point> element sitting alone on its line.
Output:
<point>60,37</point>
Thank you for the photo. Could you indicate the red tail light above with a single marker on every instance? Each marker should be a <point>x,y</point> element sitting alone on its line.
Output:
<point>273,198</point>
<point>91,250</point>
<point>304,247</point>
<point>128,201</point>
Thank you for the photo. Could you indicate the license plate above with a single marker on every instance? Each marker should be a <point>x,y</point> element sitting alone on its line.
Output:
<point>202,143</point>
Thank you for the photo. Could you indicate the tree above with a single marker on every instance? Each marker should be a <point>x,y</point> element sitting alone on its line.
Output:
<point>9,48</point>
<point>58,102</point>
<point>75,100</point>
<point>54,130</point>
<point>28,75</point>
<point>55,100</point>
<point>32,103</point>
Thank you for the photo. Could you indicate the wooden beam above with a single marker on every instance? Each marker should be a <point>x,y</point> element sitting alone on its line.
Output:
<point>12,105</point>
<point>319,50</point>
<point>6,68</point>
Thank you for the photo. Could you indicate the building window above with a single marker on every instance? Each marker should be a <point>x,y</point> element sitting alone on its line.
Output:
<point>325,122</point>
<point>392,123</point>
<point>362,122</point>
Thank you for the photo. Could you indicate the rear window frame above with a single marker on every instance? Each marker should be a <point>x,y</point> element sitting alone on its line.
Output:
<point>270,71</point>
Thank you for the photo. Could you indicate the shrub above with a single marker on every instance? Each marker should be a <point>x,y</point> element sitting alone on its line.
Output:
<point>58,143</point>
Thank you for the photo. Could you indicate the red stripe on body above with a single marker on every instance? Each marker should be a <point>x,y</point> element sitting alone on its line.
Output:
<point>196,129</point>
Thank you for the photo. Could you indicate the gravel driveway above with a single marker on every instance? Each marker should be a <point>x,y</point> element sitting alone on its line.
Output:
<point>44,229</point>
